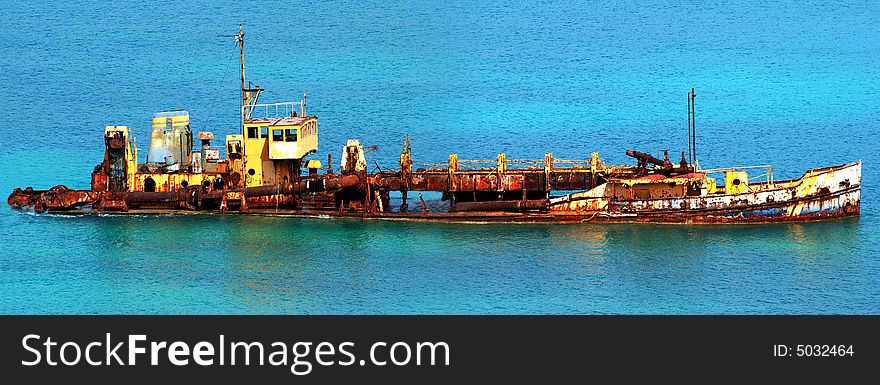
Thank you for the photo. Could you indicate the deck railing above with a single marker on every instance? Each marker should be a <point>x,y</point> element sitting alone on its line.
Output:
<point>768,171</point>
<point>273,110</point>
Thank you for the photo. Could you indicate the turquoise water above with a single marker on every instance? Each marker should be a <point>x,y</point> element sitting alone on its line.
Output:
<point>790,84</point>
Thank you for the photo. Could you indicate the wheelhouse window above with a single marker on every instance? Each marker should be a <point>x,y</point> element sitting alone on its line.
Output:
<point>290,135</point>
<point>253,132</point>
<point>277,135</point>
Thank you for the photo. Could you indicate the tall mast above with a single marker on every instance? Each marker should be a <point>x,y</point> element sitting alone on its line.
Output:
<point>240,40</point>
<point>693,111</point>
<point>692,129</point>
<point>249,96</point>
<point>690,150</point>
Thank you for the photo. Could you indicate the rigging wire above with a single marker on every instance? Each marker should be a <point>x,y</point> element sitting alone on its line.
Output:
<point>217,87</point>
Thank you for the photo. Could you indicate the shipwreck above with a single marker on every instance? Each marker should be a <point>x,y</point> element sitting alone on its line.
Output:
<point>266,170</point>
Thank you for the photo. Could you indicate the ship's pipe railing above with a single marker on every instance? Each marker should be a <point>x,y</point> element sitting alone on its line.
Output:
<point>768,173</point>
<point>282,109</point>
<point>487,164</point>
<point>582,163</point>
<point>493,163</point>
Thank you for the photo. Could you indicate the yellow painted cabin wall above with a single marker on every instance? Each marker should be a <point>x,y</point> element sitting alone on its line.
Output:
<point>170,182</point>
<point>256,159</point>
<point>306,143</point>
<point>269,171</point>
<point>736,182</point>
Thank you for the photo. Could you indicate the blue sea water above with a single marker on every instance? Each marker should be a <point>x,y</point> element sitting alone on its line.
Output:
<point>793,84</point>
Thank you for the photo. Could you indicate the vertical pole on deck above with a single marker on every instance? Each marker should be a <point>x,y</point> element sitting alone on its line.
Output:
<point>240,40</point>
<point>693,95</point>
<point>690,151</point>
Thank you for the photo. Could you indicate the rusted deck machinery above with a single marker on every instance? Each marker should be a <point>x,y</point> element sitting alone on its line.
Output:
<point>263,173</point>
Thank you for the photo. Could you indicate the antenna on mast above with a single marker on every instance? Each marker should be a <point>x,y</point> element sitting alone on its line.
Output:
<point>240,40</point>
<point>249,95</point>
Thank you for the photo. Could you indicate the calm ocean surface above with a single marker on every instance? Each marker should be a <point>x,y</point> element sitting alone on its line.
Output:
<point>794,84</point>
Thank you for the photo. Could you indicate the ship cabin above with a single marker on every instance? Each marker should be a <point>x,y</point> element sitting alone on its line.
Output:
<point>269,151</point>
<point>658,186</point>
<point>273,148</point>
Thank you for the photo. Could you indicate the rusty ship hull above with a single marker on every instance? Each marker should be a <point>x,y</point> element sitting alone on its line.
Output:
<point>266,170</point>
<point>821,194</point>
<point>825,193</point>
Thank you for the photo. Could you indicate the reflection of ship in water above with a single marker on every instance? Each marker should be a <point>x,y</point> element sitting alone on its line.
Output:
<point>263,173</point>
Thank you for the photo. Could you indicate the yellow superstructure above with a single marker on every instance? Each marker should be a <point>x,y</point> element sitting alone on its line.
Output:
<point>269,149</point>
<point>274,148</point>
<point>120,159</point>
<point>157,182</point>
<point>736,182</point>
<point>170,139</point>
